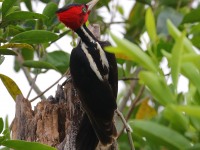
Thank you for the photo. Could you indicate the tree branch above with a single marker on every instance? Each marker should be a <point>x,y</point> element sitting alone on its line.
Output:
<point>128,129</point>
<point>135,102</point>
<point>129,92</point>
<point>28,76</point>
<point>39,95</point>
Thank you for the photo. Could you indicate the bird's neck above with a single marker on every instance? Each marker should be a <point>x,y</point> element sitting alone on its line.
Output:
<point>88,44</point>
<point>86,36</point>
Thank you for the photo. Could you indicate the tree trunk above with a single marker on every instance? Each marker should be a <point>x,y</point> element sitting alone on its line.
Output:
<point>54,122</point>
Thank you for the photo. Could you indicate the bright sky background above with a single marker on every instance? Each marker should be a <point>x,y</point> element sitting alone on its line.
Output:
<point>7,106</point>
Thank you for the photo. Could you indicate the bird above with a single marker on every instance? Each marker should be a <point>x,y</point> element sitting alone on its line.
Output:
<point>95,77</point>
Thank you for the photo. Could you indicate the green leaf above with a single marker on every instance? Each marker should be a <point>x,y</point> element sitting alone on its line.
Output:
<point>150,24</point>
<point>45,1</point>
<point>175,33</point>
<point>193,58</point>
<point>6,5</point>
<point>195,40</point>
<point>160,134</point>
<point>17,45</point>
<point>11,86</point>
<point>136,27</point>
<point>190,71</point>
<point>24,145</point>
<point>28,4</point>
<point>158,86</point>
<point>193,111</point>
<point>132,51</point>
<point>195,147</point>
<point>27,54</point>
<point>34,37</point>
<point>38,64</point>
<point>59,59</point>
<point>50,11</point>
<point>24,15</point>
<point>178,120</point>
<point>192,16</point>
<point>1,125</point>
<point>174,3</point>
<point>148,2</point>
<point>12,30</point>
<point>2,58</point>
<point>7,52</point>
<point>176,60</point>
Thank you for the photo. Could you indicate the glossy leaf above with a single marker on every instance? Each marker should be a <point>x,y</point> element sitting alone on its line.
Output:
<point>17,45</point>
<point>174,3</point>
<point>175,33</point>
<point>7,52</point>
<point>150,24</point>
<point>192,16</point>
<point>160,134</point>
<point>38,64</point>
<point>59,59</point>
<point>158,87</point>
<point>176,60</point>
<point>1,125</point>
<point>23,15</point>
<point>2,58</point>
<point>28,4</point>
<point>50,12</point>
<point>122,56</point>
<point>6,6</point>
<point>34,37</point>
<point>12,30</point>
<point>195,40</point>
<point>193,58</point>
<point>11,86</point>
<point>195,147</point>
<point>148,2</point>
<point>27,54</point>
<point>190,71</point>
<point>193,111</point>
<point>177,119</point>
<point>24,145</point>
<point>136,21</point>
<point>133,51</point>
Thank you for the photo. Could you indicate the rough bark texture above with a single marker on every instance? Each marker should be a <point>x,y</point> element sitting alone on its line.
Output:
<point>54,122</point>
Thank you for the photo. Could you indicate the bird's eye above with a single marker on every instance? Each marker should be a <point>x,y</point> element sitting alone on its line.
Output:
<point>84,9</point>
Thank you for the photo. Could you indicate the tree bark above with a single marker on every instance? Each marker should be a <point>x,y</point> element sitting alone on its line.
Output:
<point>54,122</point>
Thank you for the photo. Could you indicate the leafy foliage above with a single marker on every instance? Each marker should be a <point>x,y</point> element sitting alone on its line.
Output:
<point>157,35</point>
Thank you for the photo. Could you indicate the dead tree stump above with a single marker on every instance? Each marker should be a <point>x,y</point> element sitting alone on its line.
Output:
<point>55,123</point>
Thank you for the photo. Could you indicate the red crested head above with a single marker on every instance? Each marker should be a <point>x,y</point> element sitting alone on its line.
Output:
<point>75,15</point>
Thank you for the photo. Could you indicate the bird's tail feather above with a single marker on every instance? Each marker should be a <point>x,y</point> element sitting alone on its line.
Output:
<point>86,138</point>
<point>105,131</point>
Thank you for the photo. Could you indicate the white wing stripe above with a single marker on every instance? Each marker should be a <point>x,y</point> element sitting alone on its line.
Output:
<point>91,62</point>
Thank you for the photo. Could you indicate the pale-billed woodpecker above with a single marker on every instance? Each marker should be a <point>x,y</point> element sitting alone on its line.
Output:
<point>94,75</point>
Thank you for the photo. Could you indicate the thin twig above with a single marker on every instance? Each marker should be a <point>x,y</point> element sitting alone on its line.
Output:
<point>135,102</point>
<point>48,87</point>
<point>34,80</point>
<point>128,129</point>
<point>130,91</point>
<point>128,78</point>
<point>28,76</point>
